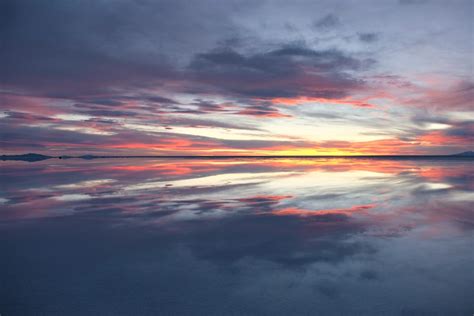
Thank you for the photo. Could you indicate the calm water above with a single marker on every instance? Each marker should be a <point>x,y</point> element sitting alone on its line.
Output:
<point>237,237</point>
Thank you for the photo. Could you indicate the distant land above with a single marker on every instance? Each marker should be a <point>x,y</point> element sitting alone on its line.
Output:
<point>465,154</point>
<point>32,157</point>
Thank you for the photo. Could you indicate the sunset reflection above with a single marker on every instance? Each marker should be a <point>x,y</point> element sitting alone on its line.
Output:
<point>330,229</point>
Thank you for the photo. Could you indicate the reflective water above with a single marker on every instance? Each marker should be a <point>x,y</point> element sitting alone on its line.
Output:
<point>237,237</point>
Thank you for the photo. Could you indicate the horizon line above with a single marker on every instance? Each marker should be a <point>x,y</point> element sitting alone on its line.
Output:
<point>37,157</point>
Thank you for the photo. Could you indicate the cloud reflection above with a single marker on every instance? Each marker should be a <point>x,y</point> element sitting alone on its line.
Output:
<point>311,230</point>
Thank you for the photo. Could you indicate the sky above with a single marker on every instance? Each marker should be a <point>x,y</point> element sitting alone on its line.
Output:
<point>237,77</point>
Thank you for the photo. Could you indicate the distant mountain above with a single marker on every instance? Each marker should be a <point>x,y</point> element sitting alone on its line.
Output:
<point>26,157</point>
<point>465,154</point>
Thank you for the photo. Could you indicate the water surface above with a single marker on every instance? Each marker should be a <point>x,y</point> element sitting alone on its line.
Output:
<point>237,237</point>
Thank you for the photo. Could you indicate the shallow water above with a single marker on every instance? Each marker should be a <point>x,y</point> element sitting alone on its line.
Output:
<point>237,237</point>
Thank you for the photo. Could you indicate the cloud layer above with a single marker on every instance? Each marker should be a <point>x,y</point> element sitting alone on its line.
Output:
<point>235,76</point>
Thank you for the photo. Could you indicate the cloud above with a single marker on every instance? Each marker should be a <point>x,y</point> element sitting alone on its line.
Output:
<point>447,94</point>
<point>327,22</point>
<point>410,2</point>
<point>86,69</point>
<point>287,72</point>
<point>368,37</point>
<point>263,109</point>
<point>88,48</point>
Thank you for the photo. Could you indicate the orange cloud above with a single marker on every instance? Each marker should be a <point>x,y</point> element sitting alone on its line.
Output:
<point>344,101</point>
<point>293,211</point>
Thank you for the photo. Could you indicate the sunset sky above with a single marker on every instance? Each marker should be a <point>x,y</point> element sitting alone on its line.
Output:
<point>237,77</point>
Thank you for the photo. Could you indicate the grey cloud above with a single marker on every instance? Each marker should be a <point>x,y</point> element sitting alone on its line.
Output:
<point>463,130</point>
<point>112,113</point>
<point>409,2</point>
<point>288,71</point>
<point>88,46</point>
<point>327,22</point>
<point>110,102</point>
<point>368,37</point>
